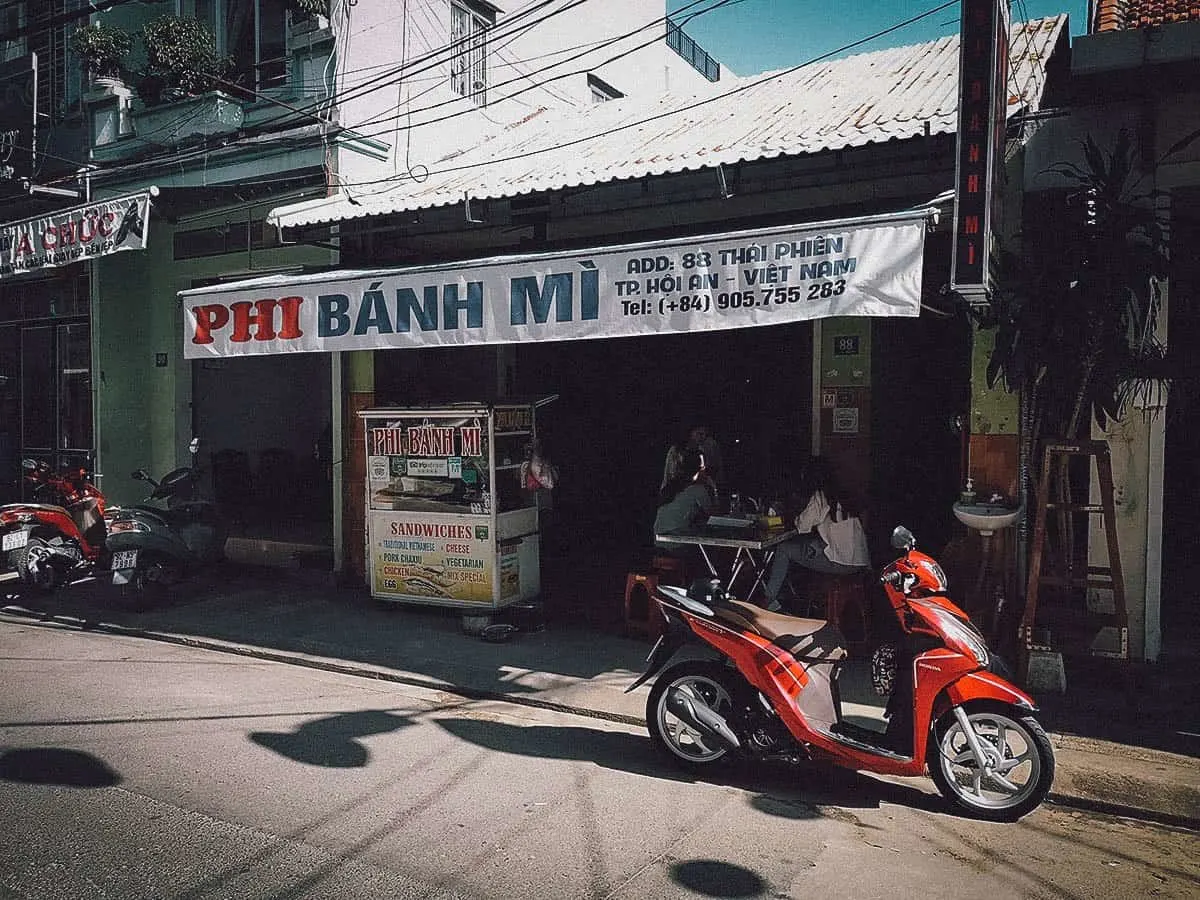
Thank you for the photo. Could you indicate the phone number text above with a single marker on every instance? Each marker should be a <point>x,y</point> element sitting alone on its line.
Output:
<point>727,300</point>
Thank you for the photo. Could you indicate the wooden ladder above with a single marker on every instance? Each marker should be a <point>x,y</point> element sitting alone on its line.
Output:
<point>1109,576</point>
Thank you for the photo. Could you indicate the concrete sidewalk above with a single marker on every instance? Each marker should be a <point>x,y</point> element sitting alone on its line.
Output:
<point>287,617</point>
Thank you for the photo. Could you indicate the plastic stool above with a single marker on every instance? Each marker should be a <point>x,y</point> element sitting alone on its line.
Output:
<point>642,615</point>
<point>643,618</point>
<point>670,569</point>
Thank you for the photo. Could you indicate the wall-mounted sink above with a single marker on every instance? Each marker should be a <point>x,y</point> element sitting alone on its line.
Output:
<point>986,517</point>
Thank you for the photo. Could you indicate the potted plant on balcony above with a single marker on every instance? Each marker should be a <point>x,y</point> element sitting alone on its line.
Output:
<point>310,7</point>
<point>181,60</point>
<point>102,49</point>
<point>308,15</point>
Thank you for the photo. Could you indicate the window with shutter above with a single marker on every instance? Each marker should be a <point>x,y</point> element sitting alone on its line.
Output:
<point>468,66</point>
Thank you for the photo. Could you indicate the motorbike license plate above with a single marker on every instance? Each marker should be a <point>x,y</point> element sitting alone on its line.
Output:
<point>14,540</point>
<point>122,562</point>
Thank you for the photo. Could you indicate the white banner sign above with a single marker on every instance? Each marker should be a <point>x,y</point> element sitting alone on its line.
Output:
<point>70,235</point>
<point>864,267</point>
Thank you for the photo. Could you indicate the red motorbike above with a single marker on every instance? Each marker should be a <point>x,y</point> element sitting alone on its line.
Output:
<point>769,689</point>
<point>47,543</point>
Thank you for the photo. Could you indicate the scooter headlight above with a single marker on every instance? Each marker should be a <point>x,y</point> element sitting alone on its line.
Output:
<point>124,526</point>
<point>961,632</point>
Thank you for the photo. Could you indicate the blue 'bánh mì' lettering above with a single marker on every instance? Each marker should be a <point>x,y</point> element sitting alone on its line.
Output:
<point>374,316</point>
<point>526,295</point>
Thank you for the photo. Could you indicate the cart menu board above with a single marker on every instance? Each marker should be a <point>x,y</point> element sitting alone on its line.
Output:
<point>414,556</point>
<point>430,523</point>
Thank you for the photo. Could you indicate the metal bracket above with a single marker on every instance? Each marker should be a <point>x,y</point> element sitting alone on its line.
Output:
<point>723,183</point>
<point>471,220</point>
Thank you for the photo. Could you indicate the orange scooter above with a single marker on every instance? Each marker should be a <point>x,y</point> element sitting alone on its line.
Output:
<point>769,689</point>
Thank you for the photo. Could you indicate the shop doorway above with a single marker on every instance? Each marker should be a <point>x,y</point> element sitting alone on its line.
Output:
<point>621,403</point>
<point>45,399</point>
<point>921,402</point>
<point>264,424</point>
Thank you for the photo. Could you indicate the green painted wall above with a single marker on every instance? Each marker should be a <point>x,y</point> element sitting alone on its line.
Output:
<point>143,409</point>
<point>993,410</point>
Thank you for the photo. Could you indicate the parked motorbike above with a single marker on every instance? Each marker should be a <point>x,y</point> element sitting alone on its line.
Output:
<point>59,537</point>
<point>154,547</point>
<point>770,691</point>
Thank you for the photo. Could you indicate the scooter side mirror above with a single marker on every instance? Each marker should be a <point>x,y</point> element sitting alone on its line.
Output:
<point>194,446</point>
<point>902,538</point>
<point>140,475</point>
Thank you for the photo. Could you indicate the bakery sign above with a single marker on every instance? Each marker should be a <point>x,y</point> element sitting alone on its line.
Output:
<point>70,235</point>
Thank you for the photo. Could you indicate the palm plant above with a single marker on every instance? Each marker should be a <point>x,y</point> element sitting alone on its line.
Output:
<point>1077,334</point>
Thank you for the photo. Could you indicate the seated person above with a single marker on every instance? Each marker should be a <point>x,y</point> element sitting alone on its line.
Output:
<point>687,499</point>
<point>829,539</point>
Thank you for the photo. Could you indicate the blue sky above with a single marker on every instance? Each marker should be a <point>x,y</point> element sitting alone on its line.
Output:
<point>751,36</point>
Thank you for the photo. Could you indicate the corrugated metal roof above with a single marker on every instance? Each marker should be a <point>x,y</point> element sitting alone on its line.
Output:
<point>864,99</point>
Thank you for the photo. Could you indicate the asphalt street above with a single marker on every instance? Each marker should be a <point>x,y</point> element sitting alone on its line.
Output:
<point>139,769</point>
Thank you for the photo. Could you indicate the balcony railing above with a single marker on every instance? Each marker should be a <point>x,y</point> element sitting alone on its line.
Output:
<point>693,53</point>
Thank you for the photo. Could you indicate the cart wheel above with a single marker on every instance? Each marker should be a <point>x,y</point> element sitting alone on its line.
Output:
<point>475,624</point>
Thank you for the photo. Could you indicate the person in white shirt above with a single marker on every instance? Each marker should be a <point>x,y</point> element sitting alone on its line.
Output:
<point>828,539</point>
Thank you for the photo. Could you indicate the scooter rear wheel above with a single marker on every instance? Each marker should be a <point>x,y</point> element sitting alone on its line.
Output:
<point>709,684</point>
<point>46,577</point>
<point>150,584</point>
<point>1020,765</point>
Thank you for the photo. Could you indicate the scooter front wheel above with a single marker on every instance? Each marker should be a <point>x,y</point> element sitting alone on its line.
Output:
<point>1018,762</point>
<point>704,684</point>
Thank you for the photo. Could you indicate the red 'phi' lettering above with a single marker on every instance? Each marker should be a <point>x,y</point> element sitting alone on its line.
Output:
<point>262,319</point>
<point>209,318</point>
<point>289,330</point>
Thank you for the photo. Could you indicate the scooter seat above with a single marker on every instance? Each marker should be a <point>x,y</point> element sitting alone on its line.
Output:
<point>812,639</point>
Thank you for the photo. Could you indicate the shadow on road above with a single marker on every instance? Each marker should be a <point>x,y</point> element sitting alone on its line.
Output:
<point>331,742</point>
<point>54,765</point>
<point>779,789</point>
<point>713,878</point>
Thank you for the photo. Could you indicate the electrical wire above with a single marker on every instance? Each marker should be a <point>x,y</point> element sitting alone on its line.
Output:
<point>54,20</point>
<point>434,57</point>
<point>738,89</point>
<point>383,117</point>
<point>376,84</point>
<point>312,111</point>
<point>745,86</point>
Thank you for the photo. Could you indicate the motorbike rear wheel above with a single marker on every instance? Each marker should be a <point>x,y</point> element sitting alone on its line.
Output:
<point>708,684</point>
<point>1019,769</point>
<point>150,584</point>
<point>46,577</point>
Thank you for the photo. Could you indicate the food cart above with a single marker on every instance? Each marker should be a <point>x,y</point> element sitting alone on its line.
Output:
<point>449,522</point>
